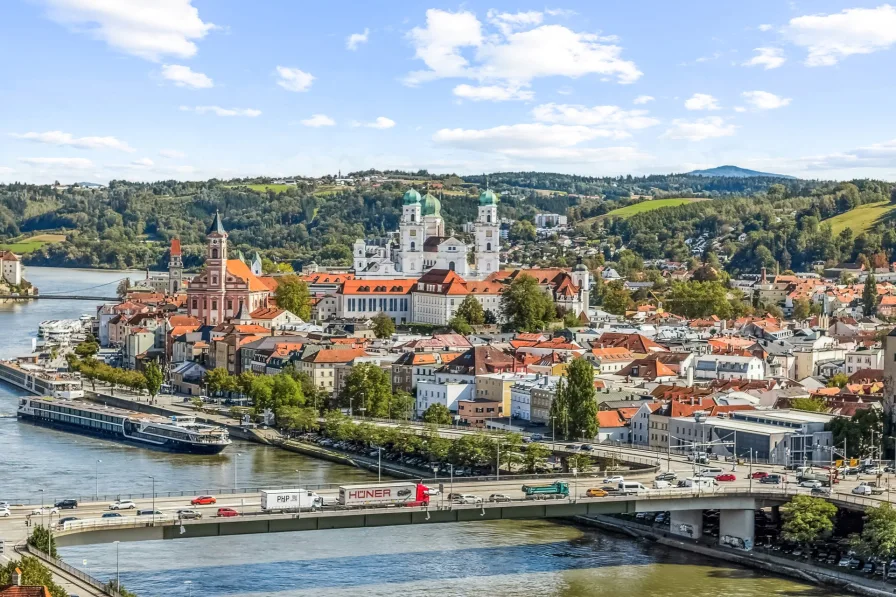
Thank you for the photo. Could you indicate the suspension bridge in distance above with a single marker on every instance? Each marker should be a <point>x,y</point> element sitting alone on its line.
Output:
<point>60,297</point>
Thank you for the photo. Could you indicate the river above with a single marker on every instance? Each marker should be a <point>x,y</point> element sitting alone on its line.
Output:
<point>499,559</point>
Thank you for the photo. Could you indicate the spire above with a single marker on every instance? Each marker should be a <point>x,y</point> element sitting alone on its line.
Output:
<point>244,314</point>
<point>216,226</point>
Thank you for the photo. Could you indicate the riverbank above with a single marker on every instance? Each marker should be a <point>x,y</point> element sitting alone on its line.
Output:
<point>802,571</point>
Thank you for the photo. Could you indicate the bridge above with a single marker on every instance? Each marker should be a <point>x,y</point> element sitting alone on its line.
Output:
<point>64,297</point>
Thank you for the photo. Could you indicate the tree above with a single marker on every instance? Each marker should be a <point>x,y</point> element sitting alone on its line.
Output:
<point>260,391</point>
<point>383,326</point>
<point>123,286</point>
<point>869,296</point>
<point>838,380</point>
<point>86,349</point>
<point>525,306</point>
<point>367,386</point>
<point>581,462</point>
<point>559,411</point>
<point>857,432</point>
<point>292,294</point>
<point>801,309</point>
<point>34,573</point>
<point>294,417</point>
<point>816,405</point>
<point>438,414</point>
<point>616,299</point>
<point>522,230</point>
<point>285,393</point>
<point>470,310</point>
<point>878,536</point>
<point>219,380</point>
<point>490,317</point>
<point>401,406</point>
<point>806,518</point>
<point>41,539</point>
<point>580,398</point>
<point>535,456</point>
<point>699,299</point>
<point>153,378</point>
<point>113,585</point>
<point>460,326</point>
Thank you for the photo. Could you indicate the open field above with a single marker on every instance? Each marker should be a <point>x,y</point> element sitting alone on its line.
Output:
<point>638,208</point>
<point>261,188</point>
<point>860,219</point>
<point>31,243</point>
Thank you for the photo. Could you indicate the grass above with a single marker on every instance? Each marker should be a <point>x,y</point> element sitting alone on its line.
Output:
<point>31,243</point>
<point>639,208</point>
<point>262,188</point>
<point>862,218</point>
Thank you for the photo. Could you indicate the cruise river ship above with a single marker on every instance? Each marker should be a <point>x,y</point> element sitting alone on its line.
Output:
<point>41,380</point>
<point>174,434</point>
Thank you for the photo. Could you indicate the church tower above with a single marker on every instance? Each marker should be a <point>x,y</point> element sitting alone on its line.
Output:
<point>488,240</point>
<point>216,267</point>
<point>175,268</point>
<point>412,233</point>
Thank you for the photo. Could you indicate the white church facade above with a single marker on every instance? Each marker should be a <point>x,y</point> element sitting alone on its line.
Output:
<point>422,245</point>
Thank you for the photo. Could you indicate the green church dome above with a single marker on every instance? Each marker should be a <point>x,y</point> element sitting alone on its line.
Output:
<point>488,197</point>
<point>411,197</point>
<point>430,206</point>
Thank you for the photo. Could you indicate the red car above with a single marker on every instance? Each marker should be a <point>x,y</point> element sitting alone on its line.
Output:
<point>227,512</point>
<point>203,500</point>
<point>759,475</point>
<point>726,477</point>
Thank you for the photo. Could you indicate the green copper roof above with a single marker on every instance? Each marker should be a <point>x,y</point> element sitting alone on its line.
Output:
<point>216,226</point>
<point>488,197</point>
<point>430,206</point>
<point>411,197</point>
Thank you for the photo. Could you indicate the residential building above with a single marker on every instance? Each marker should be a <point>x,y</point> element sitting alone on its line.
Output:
<point>612,427</point>
<point>640,422</point>
<point>716,366</point>
<point>367,298</point>
<point>498,388</point>
<point>477,411</point>
<point>321,366</point>
<point>863,358</point>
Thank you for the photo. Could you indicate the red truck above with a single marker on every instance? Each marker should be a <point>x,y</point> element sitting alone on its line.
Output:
<point>384,494</point>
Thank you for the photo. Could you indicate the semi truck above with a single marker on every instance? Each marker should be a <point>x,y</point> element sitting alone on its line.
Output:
<point>285,500</point>
<point>555,490</point>
<point>384,494</point>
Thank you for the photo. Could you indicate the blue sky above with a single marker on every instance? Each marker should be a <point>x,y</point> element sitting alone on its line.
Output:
<point>190,89</point>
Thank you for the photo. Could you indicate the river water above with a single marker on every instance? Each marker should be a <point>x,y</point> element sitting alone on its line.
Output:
<point>498,559</point>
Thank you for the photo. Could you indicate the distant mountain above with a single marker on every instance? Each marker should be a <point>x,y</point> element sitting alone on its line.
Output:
<point>90,185</point>
<point>735,172</point>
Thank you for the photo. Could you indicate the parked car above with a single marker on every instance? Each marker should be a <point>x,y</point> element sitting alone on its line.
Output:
<point>536,437</point>
<point>67,504</point>
<point>203,500</point>
<point>227,512</point>
<point>122,505</point>
<point>499,497</point>
<point>759,475</point>
<point>189,514</point>
<point>468,499</point>
<point>111,515</point>
<point>614,479</point>
<point>726,477</point>
<point>595,492</point>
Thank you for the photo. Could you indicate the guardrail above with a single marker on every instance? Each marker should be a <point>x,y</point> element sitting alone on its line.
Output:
<point>72,571</point>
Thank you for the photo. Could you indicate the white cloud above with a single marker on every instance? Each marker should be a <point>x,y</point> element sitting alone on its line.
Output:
<point>380,123</point>
<point>60,163</point>
<point>142,163</point>
<point>830,38</point>
<point>560,12</point>
<point>6,170</point>
<point>293,79</point>
<point>700,129</point>
<point>613,119</point>
<point>702,101</point>
<point>356,39</point>
<point>870,159</point>
<point>184,76</point>
<point>219,111</point>
<point>763,100</point>
<point>68,140</point>
<point>765,27</point>
<point>643,99</point>
<point>516,53</point>
<point>768,58</point>
<point>172,154</point>
<point>566,90</point>
<point>736,109</point>
<point>149,30</point>
<point>492,93</point>
<point>318,120</point>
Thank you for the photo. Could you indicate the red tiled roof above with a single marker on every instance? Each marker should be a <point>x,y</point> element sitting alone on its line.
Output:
<point>266,313</point>
<point>609,419</point>
<point>242,271</point>
<point>15,591</point>
<point>335,355</point>
<point>400,286</point>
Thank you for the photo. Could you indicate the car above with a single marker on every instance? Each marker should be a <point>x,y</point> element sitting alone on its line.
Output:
<point>468,499</point>
<point>111,515</point>
<point>122,505</point>
<point>44,511</point>
<point>670,476</point>
<point>869,567</point>
<point>432,491</point>
<point>4,505</point>
<point>614,479</point>
<point>536,437</point>
<point>4,512</point>
<point>62,521</point>
<point>585,448</point>
<point>822,491</point>
<point>596,492</point>
<point>892,572</point>
<point>149,512</point>
<point>726,477</point>
<point>66,504</point>
<point>572,447</point>
<point>499,497</point>
<point>454,496</point>
<point>203,500</point>
<point>844,562</point>
<point>812,484</point>
<point>862,490</point>
<point>771,479</point>
<point>189,514</point>
<point>759,475</point>
<point>227,512</point>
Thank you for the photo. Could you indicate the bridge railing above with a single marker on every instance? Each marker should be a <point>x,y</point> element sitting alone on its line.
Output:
<point>72,571</point>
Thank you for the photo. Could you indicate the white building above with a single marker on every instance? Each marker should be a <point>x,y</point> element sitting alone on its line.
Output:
<point>423,246</point>
<point>550,221</point>
<point>11,268</point>
<point>715,366</point>
<point>863,358</point>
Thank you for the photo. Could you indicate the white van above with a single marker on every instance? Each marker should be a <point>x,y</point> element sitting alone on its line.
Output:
<point>630,487</point>
<point>661,485</point>
<point>710,472</point>
<point>698,482</point>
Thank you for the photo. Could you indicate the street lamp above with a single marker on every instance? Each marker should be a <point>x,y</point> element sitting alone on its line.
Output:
<point>96,487</point>
<point>379,464</point>
<point>236,461</point>
<point>117,569</point>
<point>41,491</point>
<point>189,584</point>
<point>299,473</point>
<point>153,499</point>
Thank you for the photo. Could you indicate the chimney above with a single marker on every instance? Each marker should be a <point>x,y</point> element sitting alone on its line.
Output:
<point>17,578</point>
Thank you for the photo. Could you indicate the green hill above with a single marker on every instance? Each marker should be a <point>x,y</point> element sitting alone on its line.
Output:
<point>862,218</point>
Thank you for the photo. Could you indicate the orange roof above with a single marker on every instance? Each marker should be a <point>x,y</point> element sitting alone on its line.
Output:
<point>183,320</point>
<point>250,328</point>
<point>609,419</point>
<point>335,355</point>
<point>180,330</point>
<point>241,270</point>
<point>627,413</point>
<point>485,287</point>
<point>616,352</point>
<point>175,247</point>
<point>270,282</point>
<point>32,591</point>
<point>324,278</point>
<point>827,391</point>
<point>284,348</point>
<point>401,286</point>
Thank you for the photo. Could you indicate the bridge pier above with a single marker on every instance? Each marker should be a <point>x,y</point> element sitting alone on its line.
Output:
<point>686,523</point>
<point>737,528</point>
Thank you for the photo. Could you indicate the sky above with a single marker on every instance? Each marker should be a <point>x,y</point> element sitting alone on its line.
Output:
<point>93,90</point>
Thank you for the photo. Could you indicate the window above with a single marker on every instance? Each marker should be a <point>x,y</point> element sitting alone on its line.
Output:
<point>413,245</point>
<point>195,306</point>
<point>451,265</point>
<point>214,305</point>
<point>488,218</point>
<point>214,253</point>
<point>229,305</point>
<point>488,246</point>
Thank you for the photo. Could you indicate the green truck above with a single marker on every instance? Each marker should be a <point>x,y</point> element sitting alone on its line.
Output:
<point>555,490</point>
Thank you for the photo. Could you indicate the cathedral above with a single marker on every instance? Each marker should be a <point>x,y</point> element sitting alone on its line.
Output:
<point>421,244</point>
